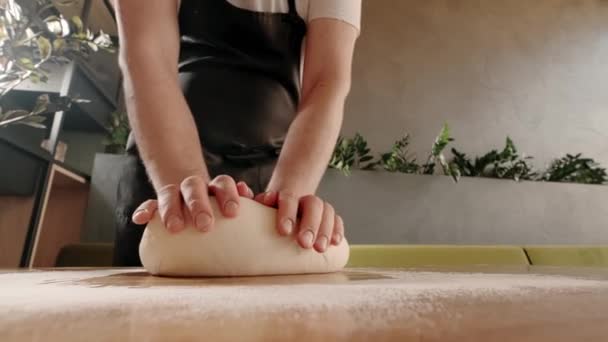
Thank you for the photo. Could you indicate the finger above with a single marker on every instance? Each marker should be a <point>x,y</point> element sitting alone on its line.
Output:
<point>287,213</point>
<point>338,234</point>
<point>244,190</point>
<point>196,197</point>
<point>169,207</point>
<point>271,199</point>
<point>326,228</point>
<point>227,195</point>
<point>260,197</point>
<point>145,212</point>
<point>268,198</point>
<point>312,210</point>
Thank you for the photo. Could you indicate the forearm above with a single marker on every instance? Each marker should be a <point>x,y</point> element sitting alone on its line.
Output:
<point>310,141</point>
<point>163,126</point>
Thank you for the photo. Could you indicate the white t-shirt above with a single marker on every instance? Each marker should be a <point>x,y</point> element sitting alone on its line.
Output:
<point>348,11</point>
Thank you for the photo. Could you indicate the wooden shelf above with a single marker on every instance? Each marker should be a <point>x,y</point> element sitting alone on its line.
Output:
<point>15,214</point>
<point>37,220</point>
<point>62,215</point>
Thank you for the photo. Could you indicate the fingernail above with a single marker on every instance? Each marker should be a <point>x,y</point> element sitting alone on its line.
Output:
<point>338,238</point>
<point>203,221</point>
<point>231,207</point>
<point>308,238</point>
<point>268,198</point>
<point>139,212</point>
<point>322,243</point>
<point>287,226</point>
<point>174,223</point>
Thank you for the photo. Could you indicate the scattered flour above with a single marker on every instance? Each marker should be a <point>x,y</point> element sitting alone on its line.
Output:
<point>65,291</point>
<point>127,304</point>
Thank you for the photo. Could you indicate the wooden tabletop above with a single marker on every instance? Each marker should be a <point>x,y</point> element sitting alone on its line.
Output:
<point>466,304</point>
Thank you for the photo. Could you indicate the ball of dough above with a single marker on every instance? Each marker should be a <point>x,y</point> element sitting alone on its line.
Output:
<point>247,245</point>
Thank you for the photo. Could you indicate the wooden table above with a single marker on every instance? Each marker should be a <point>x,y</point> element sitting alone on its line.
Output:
<point>467,304</point>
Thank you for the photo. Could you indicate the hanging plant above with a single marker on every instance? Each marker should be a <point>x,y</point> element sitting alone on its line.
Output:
<point>32,34</point>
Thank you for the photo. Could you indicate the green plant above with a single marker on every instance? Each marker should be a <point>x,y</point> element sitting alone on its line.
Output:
<point>436,155</point>
<point>575,169</point>
<point>119,130</point>
<point>507,164</point>
<point>351,153</point>
<point>398,159</point>
<point>354,153</point>
<point>32,34</point>
<point>504,164</point>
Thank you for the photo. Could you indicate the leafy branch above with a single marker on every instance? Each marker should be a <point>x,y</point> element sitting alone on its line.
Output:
<point>351,153</point>
<point>575,169</point>
<point>399,159</point>
<point>119,129</point>
<point>436,155</point>
<point>32,35</point>
<point>33,117</point>
<point>504,164</point>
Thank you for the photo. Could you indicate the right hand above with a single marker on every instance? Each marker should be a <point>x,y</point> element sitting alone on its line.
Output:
<point>188,202</point>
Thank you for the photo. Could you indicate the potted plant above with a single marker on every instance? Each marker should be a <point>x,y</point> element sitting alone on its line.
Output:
<point>498,197</point>
<point>104,181</point>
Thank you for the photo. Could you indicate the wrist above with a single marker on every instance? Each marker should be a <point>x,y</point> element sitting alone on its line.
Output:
<point>163,176</point>
<point>289,188</point>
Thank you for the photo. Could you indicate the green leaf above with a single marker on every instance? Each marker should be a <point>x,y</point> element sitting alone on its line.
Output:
<point>442,140</point>
<point>58,45</point>
<point>65,2</point>
<point>34,78</point>
<point>44,46</point>
<point>93,46</point>
<point>42,104</point>
<point>78,24</point>
<point>79,100</point>
<point>26,63</point>
<point>13,114</point>
<point>31,124</point>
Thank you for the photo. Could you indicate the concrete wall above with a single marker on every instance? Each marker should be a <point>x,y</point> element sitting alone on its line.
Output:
<point>381,207</point>
<point>391,208</point>
<point>536,70</point>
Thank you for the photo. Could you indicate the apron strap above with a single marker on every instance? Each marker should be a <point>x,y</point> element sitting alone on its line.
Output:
<point>292,7</point>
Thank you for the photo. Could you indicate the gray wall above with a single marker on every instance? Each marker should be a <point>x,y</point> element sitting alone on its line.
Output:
<point>381,207</point>
<point>396,208</point>
<point>536,70</point>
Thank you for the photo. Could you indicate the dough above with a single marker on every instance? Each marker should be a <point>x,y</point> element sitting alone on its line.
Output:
<point>247,245</point>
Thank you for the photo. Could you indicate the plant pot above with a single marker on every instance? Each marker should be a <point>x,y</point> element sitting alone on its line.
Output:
<point>99,223</point>
<point>381,207</point>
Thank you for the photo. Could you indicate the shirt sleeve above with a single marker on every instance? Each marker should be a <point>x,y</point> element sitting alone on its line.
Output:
<point>348,11</point>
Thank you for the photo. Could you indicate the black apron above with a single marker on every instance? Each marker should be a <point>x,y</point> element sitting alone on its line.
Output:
<point>240,74</point>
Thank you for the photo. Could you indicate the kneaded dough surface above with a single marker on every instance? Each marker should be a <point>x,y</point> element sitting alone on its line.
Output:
<point>247,245</point>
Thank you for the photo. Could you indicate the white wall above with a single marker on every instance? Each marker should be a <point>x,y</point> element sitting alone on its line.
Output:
<point>536,70</point>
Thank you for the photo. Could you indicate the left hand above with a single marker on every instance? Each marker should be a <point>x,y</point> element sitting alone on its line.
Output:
<point>319,225</point>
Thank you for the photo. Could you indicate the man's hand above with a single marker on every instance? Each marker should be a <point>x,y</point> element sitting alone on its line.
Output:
<point>189,202</point>
<point>319,225</point>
